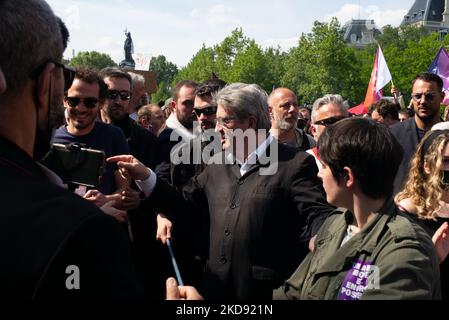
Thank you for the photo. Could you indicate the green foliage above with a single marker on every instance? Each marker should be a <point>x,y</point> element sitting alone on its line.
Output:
<point>166,70</point>
<point>162,93</point>
<point>275,60</point>
<point>236,59</point>
<point>408,51</point>
<point>92,59</point>
<point>200,67</point>
<point>322,63</point>
<point>227,51</point>
<point>250,66</point>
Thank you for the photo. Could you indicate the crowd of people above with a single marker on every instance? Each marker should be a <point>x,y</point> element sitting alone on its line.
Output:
<point>260,198</point>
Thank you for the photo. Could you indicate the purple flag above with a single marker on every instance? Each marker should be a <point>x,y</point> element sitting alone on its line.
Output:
<point>440,66</point>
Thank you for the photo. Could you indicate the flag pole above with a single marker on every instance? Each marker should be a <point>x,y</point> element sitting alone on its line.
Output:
<point>395,95</point>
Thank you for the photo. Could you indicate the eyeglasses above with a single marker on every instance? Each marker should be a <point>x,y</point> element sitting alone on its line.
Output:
<point>114,94</point>
<point>429,96</point>
<point>89,103</point>
<point>69,73</point>
<point>207,111</point>
<point>330,120</point>
<point>224,122</point>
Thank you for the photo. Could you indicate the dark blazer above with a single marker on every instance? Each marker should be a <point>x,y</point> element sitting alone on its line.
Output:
<point>164,146</point>
<point>407,135</point>
<point>259,224</point>
<point>142,143</point>
<point>46,229</point>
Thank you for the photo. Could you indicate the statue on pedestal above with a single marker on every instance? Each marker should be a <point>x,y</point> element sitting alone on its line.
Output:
<point>129,50</point>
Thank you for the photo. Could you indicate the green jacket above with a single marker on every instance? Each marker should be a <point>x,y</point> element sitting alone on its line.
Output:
<point>391,258</point>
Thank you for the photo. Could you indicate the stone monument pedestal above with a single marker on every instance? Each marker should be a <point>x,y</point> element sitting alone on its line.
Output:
<point>127,64</point>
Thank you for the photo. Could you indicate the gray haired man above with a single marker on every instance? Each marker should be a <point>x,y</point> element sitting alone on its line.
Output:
<point>259,224</point>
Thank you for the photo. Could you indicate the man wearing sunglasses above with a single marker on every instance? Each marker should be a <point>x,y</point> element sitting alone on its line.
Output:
<point>141,142</point>
<point>82,103</point>
<point>427,95</point>
<point>142,145</point>
<point>54,244</point>
<point>326,111</point>
<point>205,109</point>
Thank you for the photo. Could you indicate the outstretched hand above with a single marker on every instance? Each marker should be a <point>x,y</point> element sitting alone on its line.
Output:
<point>129,166</point>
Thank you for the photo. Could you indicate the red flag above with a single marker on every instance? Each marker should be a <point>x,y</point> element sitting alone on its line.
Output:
<point>380,76</point>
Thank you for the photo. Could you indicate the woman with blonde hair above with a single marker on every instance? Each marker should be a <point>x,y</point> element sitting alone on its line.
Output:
<point>426,195</point>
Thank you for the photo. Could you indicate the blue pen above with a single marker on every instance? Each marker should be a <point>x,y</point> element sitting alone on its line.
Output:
<point>175,265</point>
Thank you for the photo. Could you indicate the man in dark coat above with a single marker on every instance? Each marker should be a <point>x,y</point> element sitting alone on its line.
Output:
<point>264,200</point>
<point>53,243</point>
<point>427,95</point>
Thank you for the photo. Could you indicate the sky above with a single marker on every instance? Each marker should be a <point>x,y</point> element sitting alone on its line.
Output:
<point>178,29</point>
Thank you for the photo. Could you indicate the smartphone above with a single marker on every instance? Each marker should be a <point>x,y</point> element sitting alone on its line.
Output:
<point>76,164</point>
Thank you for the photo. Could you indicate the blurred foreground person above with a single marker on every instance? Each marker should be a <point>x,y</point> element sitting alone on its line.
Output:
<point>54,244</point>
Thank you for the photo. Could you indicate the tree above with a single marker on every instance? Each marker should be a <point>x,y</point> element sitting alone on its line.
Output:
<point>162,93</point>
<point>200,67</point>
<point>250,66</point>
<point>166,70</point>
<point>219,59</point>
<point>227,50</point>
<point>408,50</point>
<point>92,59</point>
<point>322,63</point>
<point>275,60</point>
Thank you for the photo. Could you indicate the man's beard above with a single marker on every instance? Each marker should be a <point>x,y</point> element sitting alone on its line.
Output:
<point>116,113</point>
<point>42,143</point>
<point>283,124</point>
<point>208,125</point>
<point>427,117</point>
<point>187,122</point>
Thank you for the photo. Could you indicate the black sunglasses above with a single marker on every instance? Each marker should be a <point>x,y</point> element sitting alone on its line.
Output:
<point>69,73</point>
<point>114,94</point>
<point>330,120</point>
<point>208,111</point>
<point>89,103</point>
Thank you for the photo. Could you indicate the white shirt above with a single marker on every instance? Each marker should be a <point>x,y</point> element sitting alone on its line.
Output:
<point>253,156</point>
<point>148,185</point>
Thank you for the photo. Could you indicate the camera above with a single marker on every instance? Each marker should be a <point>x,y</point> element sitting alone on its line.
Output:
<point>76,164</point>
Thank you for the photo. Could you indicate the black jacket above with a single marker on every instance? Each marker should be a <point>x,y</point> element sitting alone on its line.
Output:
<point>407,135</point>
<point>45,229</point>
<point>259,224</point>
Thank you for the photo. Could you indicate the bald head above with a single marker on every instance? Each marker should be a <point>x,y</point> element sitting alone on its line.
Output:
<point>283,107</point>
<point>279,93</point>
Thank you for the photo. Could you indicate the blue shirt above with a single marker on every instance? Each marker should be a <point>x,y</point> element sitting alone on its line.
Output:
<point>105,137</point>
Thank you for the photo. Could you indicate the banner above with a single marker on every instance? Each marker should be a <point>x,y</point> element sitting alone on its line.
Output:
<point>142,61</point>
<point>440,66</point>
